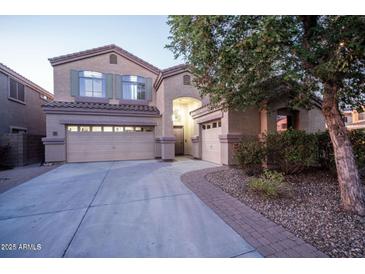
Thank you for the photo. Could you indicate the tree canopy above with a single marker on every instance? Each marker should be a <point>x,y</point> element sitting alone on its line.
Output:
<point>241,61</point>
<point>247,60</point>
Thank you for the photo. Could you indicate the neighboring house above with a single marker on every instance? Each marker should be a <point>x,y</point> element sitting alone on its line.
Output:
<point>21,104</point>
<point>112,105</point>
<point>21,112</point>
<point>354,119</point>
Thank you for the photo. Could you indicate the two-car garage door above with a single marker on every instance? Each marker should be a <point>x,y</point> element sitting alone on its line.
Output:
<point>109,143</point>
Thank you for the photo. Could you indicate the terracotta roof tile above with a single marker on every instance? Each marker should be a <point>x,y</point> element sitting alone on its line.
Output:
<point>175,68</point>
<point>103,106</point>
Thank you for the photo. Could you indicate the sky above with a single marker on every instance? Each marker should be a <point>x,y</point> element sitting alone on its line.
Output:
<point>28,41</point>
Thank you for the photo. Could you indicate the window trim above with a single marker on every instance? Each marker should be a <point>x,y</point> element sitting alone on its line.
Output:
<point>136,83</point>
<point>103,79</point>
<point>12,98</point>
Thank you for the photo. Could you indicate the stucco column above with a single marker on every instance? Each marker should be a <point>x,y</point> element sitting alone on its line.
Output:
<point>196,147</point>
<point>228,142</point>
<point>167,148</point>
<point>267,121</point>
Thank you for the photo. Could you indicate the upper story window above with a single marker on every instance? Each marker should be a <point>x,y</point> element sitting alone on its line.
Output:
<point>187,79</point>
<point>113,59</point>
<point>134,88</point>
<point>16,90</point>
<point>92,84</point>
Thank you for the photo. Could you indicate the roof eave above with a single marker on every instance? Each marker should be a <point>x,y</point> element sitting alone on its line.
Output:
<point>164,75</point>
<point>55,61</point>
<point>25,81</point>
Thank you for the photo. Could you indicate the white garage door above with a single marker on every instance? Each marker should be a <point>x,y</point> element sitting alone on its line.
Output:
<point>109,143</point>
<point>211,146</point>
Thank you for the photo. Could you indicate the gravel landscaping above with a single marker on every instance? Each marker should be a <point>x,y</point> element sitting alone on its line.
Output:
<point>311,210</point>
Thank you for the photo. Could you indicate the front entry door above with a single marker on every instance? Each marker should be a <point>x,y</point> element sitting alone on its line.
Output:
<point>179,135</point>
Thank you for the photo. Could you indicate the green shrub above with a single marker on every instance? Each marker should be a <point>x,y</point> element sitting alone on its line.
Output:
<point>250,155</point>
<point>270,184</point>
<point>326,156</point>
<point>358,145</point>
<point>292,151</point>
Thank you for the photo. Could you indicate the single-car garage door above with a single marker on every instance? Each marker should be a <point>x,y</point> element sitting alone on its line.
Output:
<point>109,143</point>
<point>211,146</point>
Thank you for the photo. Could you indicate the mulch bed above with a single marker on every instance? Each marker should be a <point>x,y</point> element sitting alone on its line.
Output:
<point>312,211</point>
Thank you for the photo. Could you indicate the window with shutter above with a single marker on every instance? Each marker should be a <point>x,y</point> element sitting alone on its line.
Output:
<point>92,84</point>
<point>133,87</point>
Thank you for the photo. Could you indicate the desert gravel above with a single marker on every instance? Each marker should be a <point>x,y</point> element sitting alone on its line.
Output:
<point>311,210</point>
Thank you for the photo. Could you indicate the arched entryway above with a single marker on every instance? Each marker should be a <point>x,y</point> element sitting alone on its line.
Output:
<point>183,124</point>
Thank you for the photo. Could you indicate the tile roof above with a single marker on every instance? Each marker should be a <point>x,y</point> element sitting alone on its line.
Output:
<point>175,68</point>
<point>168,72</point>
<point>25,81</point>
<point>103,106</point>
<point>100,50</point>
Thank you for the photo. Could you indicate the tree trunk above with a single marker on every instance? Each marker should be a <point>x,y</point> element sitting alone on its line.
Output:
<point>352,195</point>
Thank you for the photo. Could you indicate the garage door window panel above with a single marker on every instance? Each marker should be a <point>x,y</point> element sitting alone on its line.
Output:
<point>96,129</point>
<point>108,129</point>
<point>73,128</point>
<point>118,129</point>
<point>84,129</point>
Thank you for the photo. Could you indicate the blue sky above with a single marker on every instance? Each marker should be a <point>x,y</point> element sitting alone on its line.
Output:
<point>28,41</point>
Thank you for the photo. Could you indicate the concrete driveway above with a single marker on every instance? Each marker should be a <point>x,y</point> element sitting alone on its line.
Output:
<point>114,209</point>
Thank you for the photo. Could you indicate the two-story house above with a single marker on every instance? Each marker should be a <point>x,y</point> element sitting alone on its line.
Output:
<point>21,104</point>
<point>111,105</point>
<point>354,119</point>
<point>21,112</point>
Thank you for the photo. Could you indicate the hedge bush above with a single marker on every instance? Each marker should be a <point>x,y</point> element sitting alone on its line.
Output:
<point>293,151</point>
<point>250,155</point>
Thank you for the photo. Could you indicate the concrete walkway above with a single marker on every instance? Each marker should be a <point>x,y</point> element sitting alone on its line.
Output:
<point>114,209</point>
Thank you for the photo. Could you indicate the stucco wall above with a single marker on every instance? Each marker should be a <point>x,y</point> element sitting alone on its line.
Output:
<point>244,122</point>
<point>15,114</point>
<point>100,63</point>
<point>170,89</point>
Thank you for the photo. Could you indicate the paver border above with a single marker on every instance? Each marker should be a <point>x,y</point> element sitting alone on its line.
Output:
<point>268,238</point>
